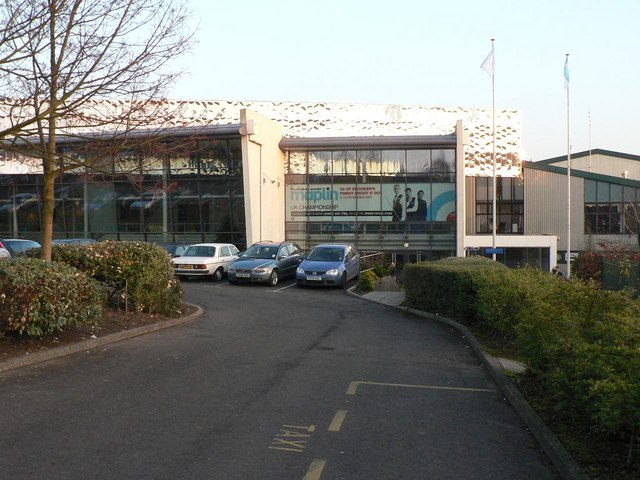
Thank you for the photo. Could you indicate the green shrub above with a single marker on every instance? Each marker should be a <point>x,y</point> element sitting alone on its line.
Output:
<point>38,297</point>
<point>141,270</point>
<point>583,344</point>
<point>379,270</point>
<point>503,296</point>
<point>367,281</point>
<point>448,286</point>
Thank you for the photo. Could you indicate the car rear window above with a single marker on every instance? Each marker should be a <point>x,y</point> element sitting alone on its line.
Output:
<point>200,251</point>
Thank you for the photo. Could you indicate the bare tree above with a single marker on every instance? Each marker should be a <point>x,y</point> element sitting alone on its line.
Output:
<point>93,70</point>
<point>632,219</point>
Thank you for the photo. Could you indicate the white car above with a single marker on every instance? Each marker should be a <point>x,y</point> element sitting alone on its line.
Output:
<point>16,246</point>
<point>205,259</point>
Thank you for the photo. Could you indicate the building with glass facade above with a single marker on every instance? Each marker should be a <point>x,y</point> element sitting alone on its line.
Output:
<point>413,181</point>
<point>604,203</point>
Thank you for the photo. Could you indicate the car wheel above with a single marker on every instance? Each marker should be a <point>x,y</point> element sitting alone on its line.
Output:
<point>273,278</point>
<point>217,275</point>
<point>344,280</point>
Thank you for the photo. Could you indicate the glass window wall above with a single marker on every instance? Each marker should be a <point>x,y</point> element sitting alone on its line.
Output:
<point>509,202</point>
<point>379,199</point>
<point>182,190</point>
<point>611,208</point>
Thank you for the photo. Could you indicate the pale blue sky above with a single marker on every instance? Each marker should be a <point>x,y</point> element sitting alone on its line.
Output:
<point>429,53</point>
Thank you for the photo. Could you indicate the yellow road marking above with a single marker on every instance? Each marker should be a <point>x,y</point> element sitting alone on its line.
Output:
<point>338,418</point>
<point>353,387</point>
<point>310,428</point>
<point>315,470</point>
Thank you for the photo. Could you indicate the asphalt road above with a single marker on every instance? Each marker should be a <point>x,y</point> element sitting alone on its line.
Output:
<point>271,383</point>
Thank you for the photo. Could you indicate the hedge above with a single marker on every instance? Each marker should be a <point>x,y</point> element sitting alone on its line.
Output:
<point>446,287</point>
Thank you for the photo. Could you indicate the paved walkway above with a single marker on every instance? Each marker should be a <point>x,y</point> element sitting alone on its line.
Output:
<point>395,299</point>
<point>390,293</point>
<point>497,367</point>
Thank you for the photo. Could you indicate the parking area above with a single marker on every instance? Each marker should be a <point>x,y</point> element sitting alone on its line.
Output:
<point>347,389</point>
<point>284,286</point>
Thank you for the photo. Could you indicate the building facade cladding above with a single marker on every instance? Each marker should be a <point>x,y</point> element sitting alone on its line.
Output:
<point>323,119</point>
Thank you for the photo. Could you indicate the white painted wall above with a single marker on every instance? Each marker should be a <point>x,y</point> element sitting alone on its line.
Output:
<point>263,171</point>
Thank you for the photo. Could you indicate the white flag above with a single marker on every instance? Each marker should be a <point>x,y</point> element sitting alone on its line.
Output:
<point>566,72</point>
<point>489,64</point>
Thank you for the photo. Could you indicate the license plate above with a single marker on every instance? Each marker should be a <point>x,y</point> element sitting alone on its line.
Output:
<point>185,267</point>
<point>243,275</point>
<point>312,278</point>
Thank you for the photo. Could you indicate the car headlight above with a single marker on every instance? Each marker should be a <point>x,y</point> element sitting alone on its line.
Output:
<point>232,268</point>
<point>300,270</point>
<point>261,270</point>
<point>333,271</point>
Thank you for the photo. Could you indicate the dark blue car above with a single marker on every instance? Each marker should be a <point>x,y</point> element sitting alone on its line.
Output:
<point>330,265</point>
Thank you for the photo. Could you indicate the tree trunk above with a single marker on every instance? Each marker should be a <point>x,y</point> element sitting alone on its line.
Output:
<point>48,208</point>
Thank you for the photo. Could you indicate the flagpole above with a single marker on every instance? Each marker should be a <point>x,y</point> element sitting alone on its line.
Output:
<point>493,155</point>
<point>489,66</point>
<point>566,76</point>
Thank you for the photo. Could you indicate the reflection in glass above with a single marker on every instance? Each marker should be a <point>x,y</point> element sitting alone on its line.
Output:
<point>590,188</point>
<point>393,162</point>
<point>369,165</point>
<point>629,194</point>
<point>632,218</point>
<point>444,160</point>
<point>616,193</point>
<point>603,192</point>
<point>320,163</point>
<point>235,157</point>
<point>418,161</point>
<point>297,163</point>
<point>344,163</point>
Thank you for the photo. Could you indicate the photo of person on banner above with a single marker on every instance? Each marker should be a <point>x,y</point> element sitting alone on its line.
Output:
<point>411,205</point>
<point>421,211</point>
<point>396,204</point>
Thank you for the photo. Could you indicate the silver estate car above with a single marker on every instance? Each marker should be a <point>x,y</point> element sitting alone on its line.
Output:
<point>266,262</point>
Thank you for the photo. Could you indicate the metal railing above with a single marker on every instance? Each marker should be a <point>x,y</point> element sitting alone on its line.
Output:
<point>370,261</point>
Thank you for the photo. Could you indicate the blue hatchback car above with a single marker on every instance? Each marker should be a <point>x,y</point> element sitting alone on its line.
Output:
<point>330,265</point>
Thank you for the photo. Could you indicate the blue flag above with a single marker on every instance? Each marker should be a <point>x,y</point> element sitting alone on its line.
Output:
<point>566,72</point>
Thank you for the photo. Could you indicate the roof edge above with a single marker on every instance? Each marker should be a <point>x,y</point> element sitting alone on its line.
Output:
<point>306,143</point>
<point>581,174</point>
<point>586,153</point>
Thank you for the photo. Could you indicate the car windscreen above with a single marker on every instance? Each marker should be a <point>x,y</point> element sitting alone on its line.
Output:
<point>17,247</point>
<point>326,255</point>
<point>261,251</point>
<point>200,251</point>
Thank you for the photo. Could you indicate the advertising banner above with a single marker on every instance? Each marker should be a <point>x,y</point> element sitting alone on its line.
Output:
<point>413,202</point>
